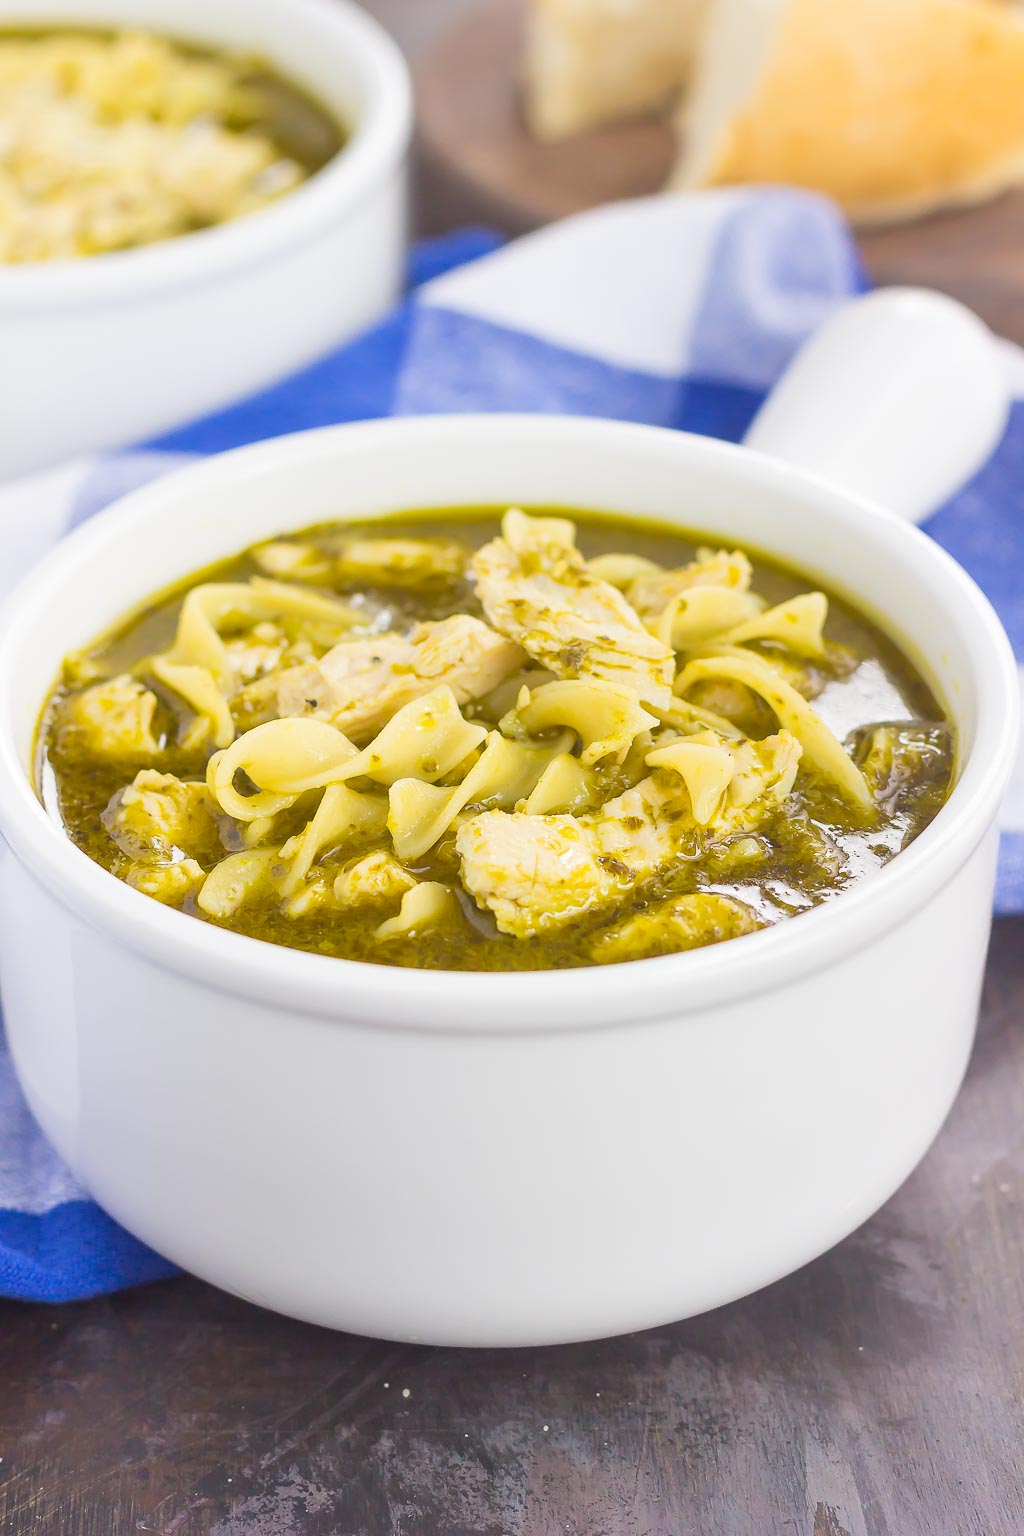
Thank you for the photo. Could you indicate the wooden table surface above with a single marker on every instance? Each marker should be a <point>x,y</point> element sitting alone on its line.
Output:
<point>878,1392</point>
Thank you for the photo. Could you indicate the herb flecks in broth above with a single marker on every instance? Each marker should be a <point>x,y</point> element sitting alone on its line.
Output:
<point>458,743</point>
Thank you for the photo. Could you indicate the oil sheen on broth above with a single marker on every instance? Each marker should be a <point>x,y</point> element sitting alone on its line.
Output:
<point>453,741</point>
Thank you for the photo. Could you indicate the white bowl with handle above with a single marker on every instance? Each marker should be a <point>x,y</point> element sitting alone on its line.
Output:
<point>514,1159</point>
<point>117,347</point>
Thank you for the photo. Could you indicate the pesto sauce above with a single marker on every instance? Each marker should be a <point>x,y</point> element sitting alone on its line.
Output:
<point>812,850</point>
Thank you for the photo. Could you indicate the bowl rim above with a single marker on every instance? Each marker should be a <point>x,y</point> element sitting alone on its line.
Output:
<point>379,140</point>
<point>467,1001</point>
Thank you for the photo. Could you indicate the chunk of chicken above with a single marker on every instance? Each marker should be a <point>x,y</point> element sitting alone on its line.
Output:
<point>535,873</point>
<point>258,652</point>
<point>376,879</point>
<point>902,754</point>
<point>294,560</point>
<point>538,873</point>
<point>169,883</point>
<point>110,720</point>
<point>400,562</point>
<point>681,922</point>
<point>389,562</point>
<point>650,592</point>
<point>359,684</point>
<point>535,587</point>
<point>160,819</point>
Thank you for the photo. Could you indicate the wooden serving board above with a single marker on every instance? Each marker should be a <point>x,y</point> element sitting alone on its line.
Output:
<point>478,164</point>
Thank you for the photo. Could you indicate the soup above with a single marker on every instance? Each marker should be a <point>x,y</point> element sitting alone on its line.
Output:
<point>109,141</point>
<point>481,742</point>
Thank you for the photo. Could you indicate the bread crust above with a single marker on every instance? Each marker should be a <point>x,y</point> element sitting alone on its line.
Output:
<point>892,107</point>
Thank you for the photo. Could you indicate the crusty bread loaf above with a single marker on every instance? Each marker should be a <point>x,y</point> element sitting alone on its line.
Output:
<point>592,61</point>
<point>892,107</point>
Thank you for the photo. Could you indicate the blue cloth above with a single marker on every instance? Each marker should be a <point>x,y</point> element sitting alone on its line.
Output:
<point>679,312</point>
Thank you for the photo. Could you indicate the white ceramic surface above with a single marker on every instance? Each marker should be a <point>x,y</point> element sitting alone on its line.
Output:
<point>521,1159</point>
<point>115,348</point>
<point>900,397</point>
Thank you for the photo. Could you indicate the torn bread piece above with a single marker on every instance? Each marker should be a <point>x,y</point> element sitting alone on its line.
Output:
<point>891,109</point>
<point>590,62</point>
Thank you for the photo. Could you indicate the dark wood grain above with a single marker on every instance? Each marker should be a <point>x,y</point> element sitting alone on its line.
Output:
<point>477,161</point>
<point>875,1393</point>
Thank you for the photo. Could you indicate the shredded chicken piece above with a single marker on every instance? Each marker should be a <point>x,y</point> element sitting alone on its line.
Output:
<point>538,873</point>
<point>169,883</point>
<point>681,922</point>
<point>536,589</point>
<point>161,819</point>
<point>262,650</point>
<point>111,720</point>
<point>374,880</point>
<point>389,562</point>
<point>359,684</point>
<point>651,592</point>
<point>535,873</point>
<point>895,754</point>
<point>400,562</point>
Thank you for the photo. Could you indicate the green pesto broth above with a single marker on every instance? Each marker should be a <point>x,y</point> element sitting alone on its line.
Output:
<point>813,847</point>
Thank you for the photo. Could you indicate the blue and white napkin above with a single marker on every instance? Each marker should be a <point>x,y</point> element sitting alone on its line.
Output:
<point>677,311</point>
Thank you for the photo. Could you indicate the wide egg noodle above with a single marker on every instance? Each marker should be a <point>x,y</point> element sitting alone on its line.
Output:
<point>798,624</point>
<point>281,759</point>
<point>606,719</point>
<point>206,608</point>
<point>822,750</point>
<point>276,762</point>
<point>707,770</point>
<point>426,906</point>
<point>505,773</point>
<point>687,717</point>
<point>564,786</point>
<point>343,813</point>
<point>425,739</point>
<point>700,613</point>
<point>619,570</point>
<point>198,687</point>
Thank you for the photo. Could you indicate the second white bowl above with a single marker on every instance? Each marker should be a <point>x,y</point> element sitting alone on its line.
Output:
<point>115,348</point>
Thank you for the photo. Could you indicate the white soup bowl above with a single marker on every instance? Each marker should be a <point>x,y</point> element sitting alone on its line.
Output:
<point>480,1158</point>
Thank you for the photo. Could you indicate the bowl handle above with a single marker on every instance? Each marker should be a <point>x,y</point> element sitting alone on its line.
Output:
<point>901,397</point>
